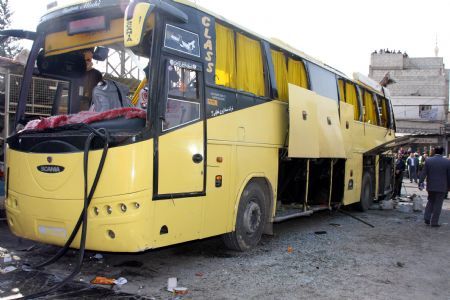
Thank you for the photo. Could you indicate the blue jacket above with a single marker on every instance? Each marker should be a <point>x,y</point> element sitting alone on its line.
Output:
<point>437,173</point>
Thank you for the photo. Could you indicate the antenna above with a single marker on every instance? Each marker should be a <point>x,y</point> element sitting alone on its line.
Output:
<point>436,49</point>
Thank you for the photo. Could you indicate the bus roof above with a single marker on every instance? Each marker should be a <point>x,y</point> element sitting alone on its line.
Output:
<point>54,6</point>
<point>280,44</point>
<point>274,41</point>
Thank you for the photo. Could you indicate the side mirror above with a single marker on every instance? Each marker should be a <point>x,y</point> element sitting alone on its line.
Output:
<point>136,15</point>
<point>101,53</point>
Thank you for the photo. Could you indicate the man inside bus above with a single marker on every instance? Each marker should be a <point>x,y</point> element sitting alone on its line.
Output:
<point>90,79</point>
<point>99,94</point>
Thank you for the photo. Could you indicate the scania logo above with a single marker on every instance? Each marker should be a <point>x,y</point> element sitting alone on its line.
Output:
<point>50,169</point>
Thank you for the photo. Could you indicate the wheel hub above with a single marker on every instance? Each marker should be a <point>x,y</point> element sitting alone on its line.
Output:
<point>252,217</point>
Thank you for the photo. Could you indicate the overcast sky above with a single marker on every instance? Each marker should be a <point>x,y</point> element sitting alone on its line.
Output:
<point>342,33</point>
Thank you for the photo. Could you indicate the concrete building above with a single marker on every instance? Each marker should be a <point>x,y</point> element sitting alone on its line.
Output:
<point>420,94</point>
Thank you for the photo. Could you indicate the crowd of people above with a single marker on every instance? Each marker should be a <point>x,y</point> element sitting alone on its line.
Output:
<point>432,167</point>
<point>411,162</point>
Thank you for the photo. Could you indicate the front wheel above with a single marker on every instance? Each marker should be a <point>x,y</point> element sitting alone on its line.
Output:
<point>250,220</point>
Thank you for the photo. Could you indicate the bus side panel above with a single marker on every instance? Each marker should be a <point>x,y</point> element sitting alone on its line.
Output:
<point>303,124</point>
<point>254,162</point>
<point>177,220</point>
<point>217,204</point>
<point>314,126</point>
<point>347,127</point>
<point>352,191</point>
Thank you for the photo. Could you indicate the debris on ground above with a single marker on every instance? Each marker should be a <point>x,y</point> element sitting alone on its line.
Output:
<point>404,198</point>
<point>417,203</point>
<point>171,284</point>
<point>199,274</point>
<point>7,269</point>
<point>102,280</point>
<point>335,224</point>
<point>98,256</point>
<point>320,232</point>
<point>28,249</point>
<point>400,264</point>
<point>180,291</point>
<point>7,258</point>
<point>405,208</point>
<point>387,204</point>
<point>120,281</point>
<point>26,268</point>
<point>289,249</point>
<point>375,206</point>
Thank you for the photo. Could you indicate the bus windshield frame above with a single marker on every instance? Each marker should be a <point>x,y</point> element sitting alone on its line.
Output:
<point>114,70</point>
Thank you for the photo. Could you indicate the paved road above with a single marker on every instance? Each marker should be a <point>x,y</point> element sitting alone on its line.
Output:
<point>401,258</point>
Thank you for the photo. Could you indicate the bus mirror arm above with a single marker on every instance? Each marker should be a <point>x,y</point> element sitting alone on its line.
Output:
<point>17,33</point>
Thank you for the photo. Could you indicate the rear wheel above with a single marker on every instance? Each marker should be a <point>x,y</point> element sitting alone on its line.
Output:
<point>251,218</point>
<point>366,192</point>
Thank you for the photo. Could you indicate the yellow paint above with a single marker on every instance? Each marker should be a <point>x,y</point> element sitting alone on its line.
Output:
<point>134,28</point>
<point>176,169</point>
<point>347,113</point>
<point>126,171</point>
<point>141,85</point>
<point>353,164</point>
<point>315,129</point>
<point>61,42</point>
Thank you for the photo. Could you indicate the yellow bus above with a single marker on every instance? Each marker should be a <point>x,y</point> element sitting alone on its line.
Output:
<point>240,132</point>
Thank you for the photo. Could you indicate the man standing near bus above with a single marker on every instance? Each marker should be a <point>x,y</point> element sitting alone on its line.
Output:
<point>413,164</point>
<point>437,173</point>
<point>399,169</point>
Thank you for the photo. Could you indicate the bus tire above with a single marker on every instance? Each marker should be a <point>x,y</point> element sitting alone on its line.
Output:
<point>366,192</point>
<point>251,218</point>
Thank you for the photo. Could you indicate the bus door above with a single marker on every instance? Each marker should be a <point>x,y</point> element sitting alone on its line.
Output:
<point>181,147</point>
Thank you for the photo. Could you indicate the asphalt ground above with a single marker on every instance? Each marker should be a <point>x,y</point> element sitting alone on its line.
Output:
<point>325,256</point>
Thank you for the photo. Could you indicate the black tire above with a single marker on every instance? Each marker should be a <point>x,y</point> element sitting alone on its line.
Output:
<point>251,218</point>
<point>366,192</point>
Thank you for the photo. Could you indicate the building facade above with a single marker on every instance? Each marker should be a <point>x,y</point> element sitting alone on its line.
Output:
<point>420,92</point>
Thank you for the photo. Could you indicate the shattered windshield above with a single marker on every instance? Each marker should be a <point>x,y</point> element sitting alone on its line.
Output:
<point>88,73</point>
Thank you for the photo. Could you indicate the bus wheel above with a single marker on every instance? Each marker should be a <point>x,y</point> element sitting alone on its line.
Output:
<point>366,193</point>
<point>250,220</point>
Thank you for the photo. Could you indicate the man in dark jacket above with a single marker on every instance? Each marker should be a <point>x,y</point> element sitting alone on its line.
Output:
<point>399,169</point>
<point>437,173</point>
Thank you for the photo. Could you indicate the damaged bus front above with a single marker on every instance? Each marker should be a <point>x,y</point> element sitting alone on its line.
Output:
<point>95,154</point>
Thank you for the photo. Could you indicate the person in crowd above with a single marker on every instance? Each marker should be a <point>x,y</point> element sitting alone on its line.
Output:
<point>412,163</point>
<point>436,172</point>
<point>399,170</point>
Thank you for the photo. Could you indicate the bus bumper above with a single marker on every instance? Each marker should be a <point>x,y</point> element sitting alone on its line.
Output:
<point>117,223</point>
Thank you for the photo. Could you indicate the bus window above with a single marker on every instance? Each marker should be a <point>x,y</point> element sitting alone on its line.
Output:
<point>281,74</point>
<point>323,82</point>
<point>341,86</point>
<point>183,102</point>
<point>351,97</point>
<point>384,114</point>
<point>250,70</point>
<point>225,57</point>
<point>370,110</point>
<point>297,73</point>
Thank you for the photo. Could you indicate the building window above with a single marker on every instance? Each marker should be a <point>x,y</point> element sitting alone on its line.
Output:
<point>427,112</point>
